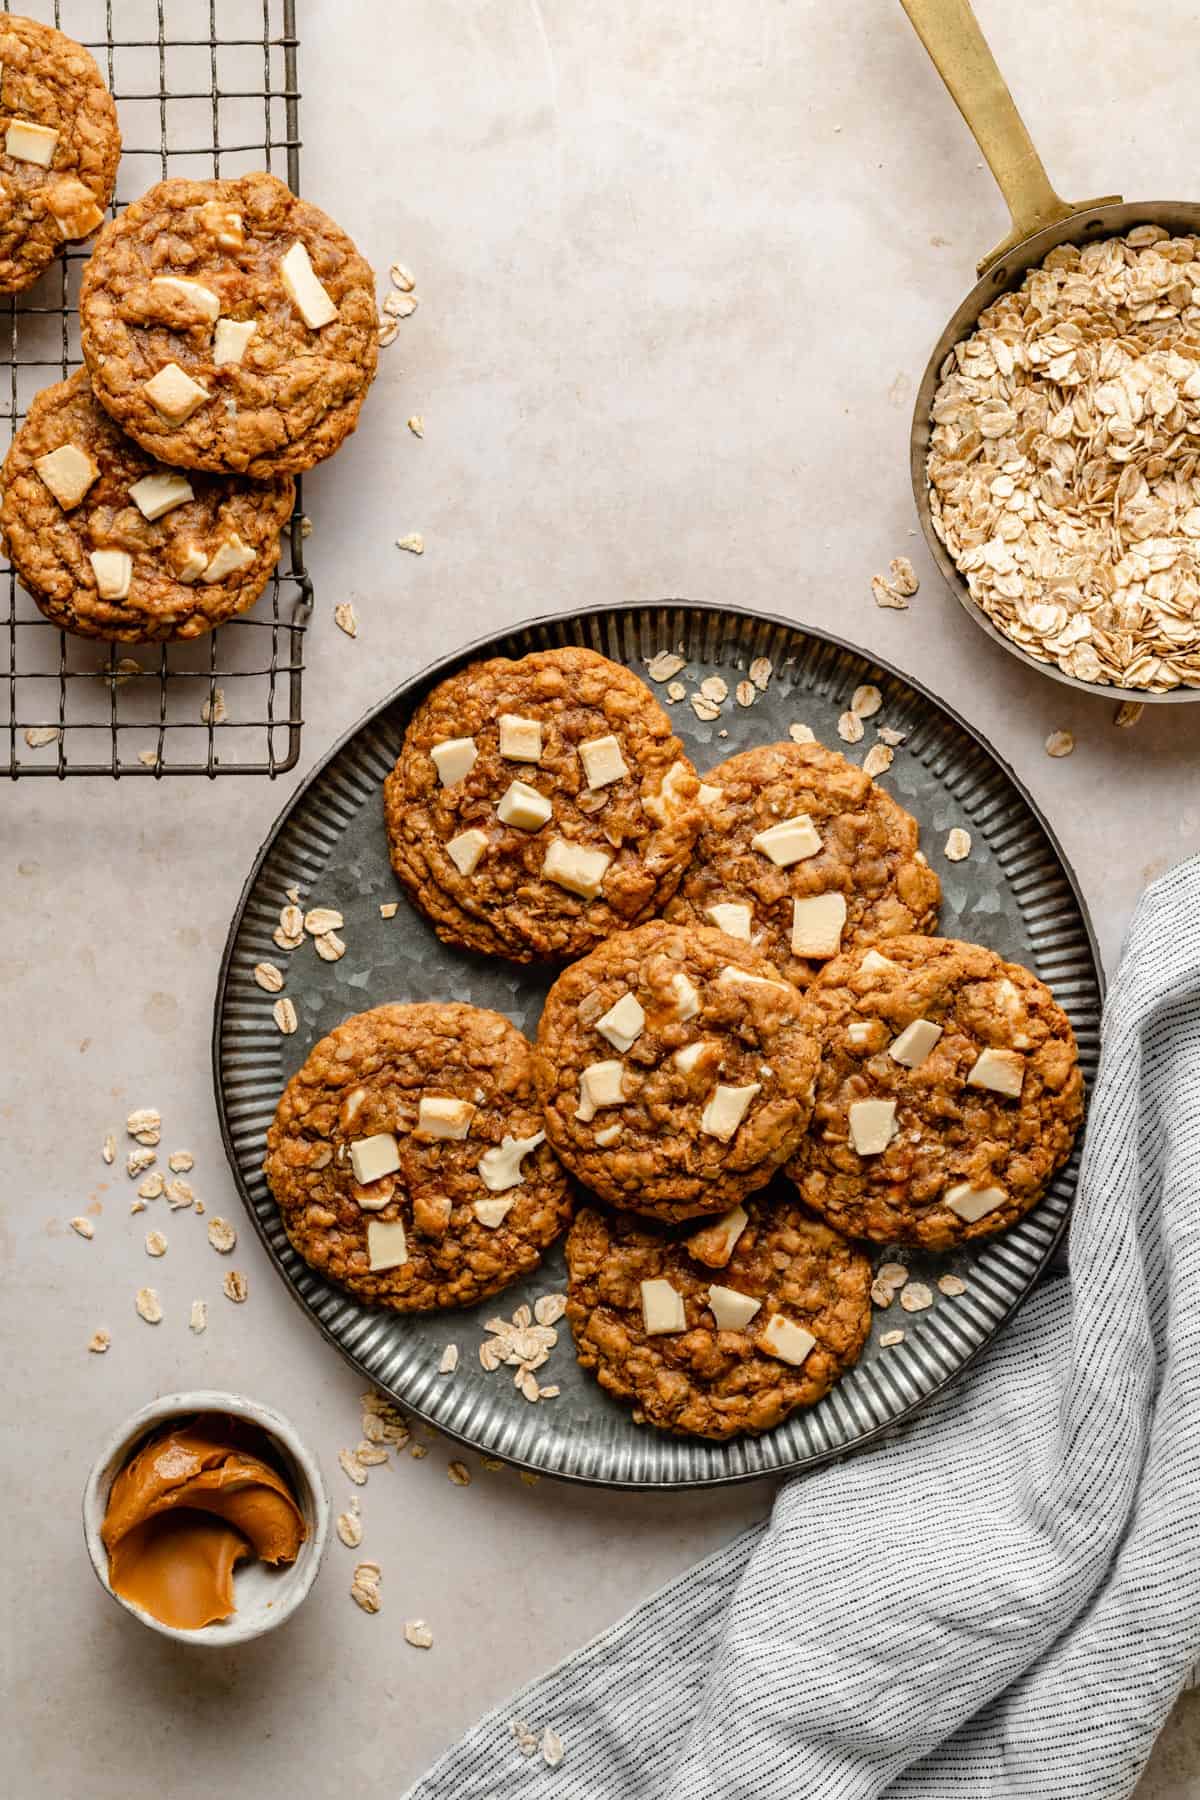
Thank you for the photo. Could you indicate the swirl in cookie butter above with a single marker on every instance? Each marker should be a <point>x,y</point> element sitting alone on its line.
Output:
<point>195,1501</point>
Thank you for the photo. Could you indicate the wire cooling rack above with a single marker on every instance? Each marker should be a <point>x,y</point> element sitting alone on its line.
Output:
<point>203,88</point>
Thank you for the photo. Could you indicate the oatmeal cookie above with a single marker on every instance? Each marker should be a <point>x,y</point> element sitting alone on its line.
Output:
<point>802,854</point>
<point>112,545</point>
<point>408,1160</point>
<point>537,806</point>
<point>61,146</point>
<point>712,1339</point>
<point>229,325</point>
<point>676,1069</point>
<point>949,1094</point>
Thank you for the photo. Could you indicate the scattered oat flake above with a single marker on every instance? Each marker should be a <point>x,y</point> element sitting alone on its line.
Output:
<point>366,1595</point>
<point>850,728</point>
<point>878,760</point>
<point>714,688</point>
<point>664,666</point>
<point>371,1456</point>
<point>887,596</point>
<point>329,946</point>
<point>38,736</point>
<point>891,736</point>
<point>291,921</point>
<point>416,425</point>
<point>108,1149</point>
<point>888,1339</point>
<point>553,1748</point>
<point>418,1450</point>
<point>149,1306</point>
<point>958,845</point>
<point>285,941</point>
<point>459,1474</point>
<point>268,977</point>
<point>802,734</point>
<point>952,1285</point>
<point>745,693</point>
<point>1128,714</point>
<point>903,576</point>
<point>179,1193</point>
<point>761,670</point>
<point>349,1527</point>
<point>1060,743</point>
<point>144,1122</point>
<point>148,759</point>
<point>352,1468</point>
<point>345,618</point>
<point>284,1014</point>
<point>893,1273</point>
<point>550,1308</point>
<point>137,1206</point>
<point>156,1244</point>
<point>221,1235</point>
<point>866,701</point>
<point>214,711</point>
<point>402,278</point>
<point>235,1287</point>
<point>306,526</point>
<point>321,919</point>
<point>418,1634</point>
<point>388,333</point>
<point>198,1317</point>
<point>915,1297</point>
<point>180,1161</point>
<point>449,1360</point>
<point>704,709</point>
<point>400,306</point>
<point>389,909</point>
<point>153,1186</point>
<point>413,542</point>
<point>84,1227</point>
<point>676,691</point>
<point>99,1341</point>
<point>200,1208</point>
<point>882,1294</point>
<point>138,1161</point>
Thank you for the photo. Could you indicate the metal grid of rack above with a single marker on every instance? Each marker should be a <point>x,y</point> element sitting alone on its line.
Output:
<point>218,102</point>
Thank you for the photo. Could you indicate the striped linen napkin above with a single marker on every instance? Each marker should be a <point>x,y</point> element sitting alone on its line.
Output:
<point>1004,1600</point>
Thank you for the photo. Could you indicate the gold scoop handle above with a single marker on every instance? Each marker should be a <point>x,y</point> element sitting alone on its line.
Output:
<point>959,52</point>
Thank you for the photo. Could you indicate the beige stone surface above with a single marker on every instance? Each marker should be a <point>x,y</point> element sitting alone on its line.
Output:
<point>679,270</point>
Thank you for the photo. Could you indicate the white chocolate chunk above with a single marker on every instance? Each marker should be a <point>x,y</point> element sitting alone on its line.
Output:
<point>1009,996</point>
<point>914,1043</point>
<point>872,1125</point>
<point>493,1212</point>
<point>225,224</point>
<point>441,1117</point>
<point>623,1023</point>
<point>229,556</point>
<point>732,977</point>
<point>373,1157</point>
<point>875,964</point>
<point>520,739</point>
<point>454,759</point>
<point>971,1203</point>
<point>685,1060</point>
<point>663,806</point>
<point>522,806</point>
<point>466,849</point>
<point>174,394</point>
<point>230,340</point>
<point>26,142</point>
<point>609,1135</point>
<point>709,796</point>
<point>73,208</point>
<point>662,1309</point>
<point>687,1000</point>
<point>713,1244</point>
<point>500,1167</point>
<point>373,1196</point>
<point>786,1340</point>
<point>795,840</point>
<point>578,870</point>
<point>601,1084</point>
<point>193,294</point>
<point>195,562</point>
<point>68,472</point>
<point>387,1246</point>
<point>731,1309</point>
<point>727,1108</point>
<point>860,1032</point>
<point>305,292</point>
<point>113,570</point>
<point>817,925</point>
<point>602,761</point>
<point>155,495</point>
<point>1003,1071</point>
<point>733,920</point>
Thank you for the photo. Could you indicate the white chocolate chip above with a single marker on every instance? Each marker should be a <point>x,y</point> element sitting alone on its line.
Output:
<point>224,223</point>
<point>113,570</point>
<point>373,1196</point>
<point>872,1125</point>
<point>73,207</point>
<point>726,1109</point>
<point>454,759</point>
<point>373,1157</point>
<point>1003,1071</point>
<point>157,494</point>
<point>311,300</point>
<point>710,796</point>
<point>732,977</point>
<point>817,925</point>
<point>623,1023</point>
<point>494,1212</point>
<point>174,394</point>
<point>26,142</point>
<point>520,738</point>
<point>875,964</point>
<point>713,1244</point>
<point>194,294</point>
<point>662,1309</point>
<point>793,841</point>
<point>786,1340</point>
<point>602,761</point>
<point>732,1310</point>
<point>466,850</point>
<point>195,561</point>
<point>578,870</point>
<point>958,845</point>
<point>914,1043</point>
<point>387,1245</point>
<point>734,920</point>
<point>441,1117</point>
<point>687,999</point>
<point>601,1084</point>
<point>663,806</point>
<point>860,1032</point>
<point>500,1167</point>
<point>68,472</point>
<point>230,340</point>
<point>524,807</point>
<point>229,556</point>
<point>609,1135</point>
<point>690,1055</point>
<point>972,1203</point>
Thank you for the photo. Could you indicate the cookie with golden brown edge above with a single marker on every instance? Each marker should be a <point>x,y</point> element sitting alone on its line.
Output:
<point>802,854</point>
<point>538,806</point>
<point>676,1070</point>
<point>229,325</point>
<point>721,1343</point>
<point>949,1093</point>
<point>112,545</point>
<point>59,151</point>
<point>408,1160</point>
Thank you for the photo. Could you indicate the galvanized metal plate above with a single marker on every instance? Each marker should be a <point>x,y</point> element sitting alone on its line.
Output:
<point>1015,893</point>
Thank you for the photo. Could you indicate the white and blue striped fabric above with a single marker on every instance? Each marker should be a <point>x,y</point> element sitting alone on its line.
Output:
<point>1003,1601</point>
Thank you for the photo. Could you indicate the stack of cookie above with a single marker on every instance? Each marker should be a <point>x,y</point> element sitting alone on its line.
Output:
<point>750,993</point>
<point>229,335</point>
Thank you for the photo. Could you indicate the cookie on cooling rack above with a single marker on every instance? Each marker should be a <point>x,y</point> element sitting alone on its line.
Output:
<point>716,1334</point>
<point>112,545</point>
<point>229,325</point>
<point>675,1069</point>
<point>536,806</point>
<point>59,151</point>
<point>803,855</point>
<point>948,1095</point>
<point>408,1159</point>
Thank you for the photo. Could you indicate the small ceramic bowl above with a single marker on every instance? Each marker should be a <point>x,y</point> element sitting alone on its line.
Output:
<point>265,1597</point>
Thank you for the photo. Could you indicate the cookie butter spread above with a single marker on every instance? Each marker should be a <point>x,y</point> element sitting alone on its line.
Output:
<point>193,1502</point>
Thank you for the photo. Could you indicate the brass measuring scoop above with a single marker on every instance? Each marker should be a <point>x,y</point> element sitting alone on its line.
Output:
<point>1041,220</point>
